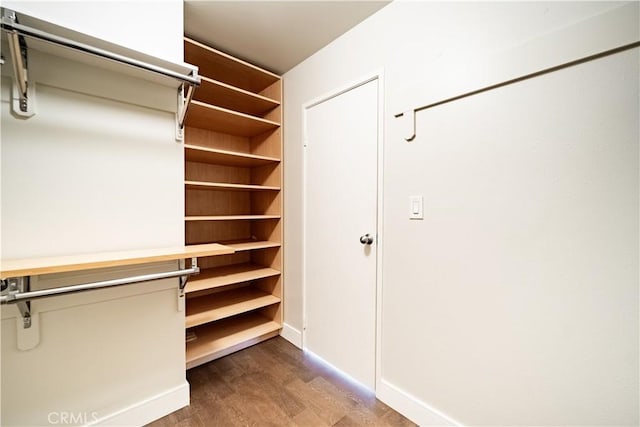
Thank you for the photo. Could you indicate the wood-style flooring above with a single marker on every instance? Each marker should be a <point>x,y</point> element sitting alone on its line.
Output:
<point>276,384</point>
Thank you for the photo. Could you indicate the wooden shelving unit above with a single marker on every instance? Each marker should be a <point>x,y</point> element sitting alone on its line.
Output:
<point>233,196</point>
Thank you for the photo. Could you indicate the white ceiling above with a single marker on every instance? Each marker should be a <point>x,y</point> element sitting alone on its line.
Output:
<point>276,35</point>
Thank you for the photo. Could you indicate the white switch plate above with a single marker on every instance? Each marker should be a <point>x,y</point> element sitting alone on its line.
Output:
<point>416,207</point>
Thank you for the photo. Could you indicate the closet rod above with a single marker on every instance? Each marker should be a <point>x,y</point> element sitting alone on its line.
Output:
<point>18,297</point>
<point>23,30</point>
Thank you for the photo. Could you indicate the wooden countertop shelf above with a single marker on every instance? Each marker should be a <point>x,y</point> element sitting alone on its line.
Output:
<point>210,308</point>
<point>218,119</point>
<point>218,339</point>
<point>225,68</point>
<point>223,186</point>
<point>223,95</point>
<point>194,153</point>
<point>61,264</point>
<point>229,217</point>
<point>228,275</point>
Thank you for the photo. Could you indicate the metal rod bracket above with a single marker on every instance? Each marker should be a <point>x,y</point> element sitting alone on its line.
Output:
<point>183,282</point>
<point>179,112</point>
<point>23,95</point>
<point>14,286</point>
<point>185,94</point>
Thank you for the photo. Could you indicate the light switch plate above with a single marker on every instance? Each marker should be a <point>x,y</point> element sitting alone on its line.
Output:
<point>416,210</point>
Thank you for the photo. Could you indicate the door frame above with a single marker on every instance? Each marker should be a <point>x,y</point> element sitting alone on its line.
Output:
<point>378,76</point>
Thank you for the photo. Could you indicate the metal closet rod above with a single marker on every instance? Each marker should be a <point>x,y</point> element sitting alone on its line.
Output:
<point>13,27</point>
<point>45,293</point>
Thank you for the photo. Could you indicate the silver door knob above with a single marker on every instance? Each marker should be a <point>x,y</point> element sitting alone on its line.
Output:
<point>367,239</point>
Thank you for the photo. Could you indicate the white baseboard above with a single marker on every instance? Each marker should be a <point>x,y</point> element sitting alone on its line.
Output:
<point>292,335</point>
<point>412,408</point>
<point>148,410</point>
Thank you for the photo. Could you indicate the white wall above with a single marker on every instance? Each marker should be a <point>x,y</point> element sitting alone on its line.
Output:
<point>516,300</point>
<point>96,169</point>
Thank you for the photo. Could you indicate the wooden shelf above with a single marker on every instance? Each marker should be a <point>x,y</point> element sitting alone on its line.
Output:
<point>223,95</point>
<point>225,68</point>
<point>193,153</point>
<point>218,339</point>
<point>210,308</point>
<point>229,217</point>
<point>228,275</point>
<point>223,186</point>
<point>249,245</point>
<point>217,119</point>
<point>34,266</point>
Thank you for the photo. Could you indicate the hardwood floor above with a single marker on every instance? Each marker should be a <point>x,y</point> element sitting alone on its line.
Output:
<point>276,384</point>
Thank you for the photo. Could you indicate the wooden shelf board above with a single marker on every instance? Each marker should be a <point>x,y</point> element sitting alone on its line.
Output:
<point>212,307</point>
<point>229,217</point>
<point>226,68</point>
<point>217,119</point>
<point>223,95</point>
<point>218,339</point>
<point>223,186</point>
<point>195,153</point>
<point>34,266</point>
<point>228,275</point>
<point>249,245</point>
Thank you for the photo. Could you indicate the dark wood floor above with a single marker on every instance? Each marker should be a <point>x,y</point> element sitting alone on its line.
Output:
<point>276,384</point>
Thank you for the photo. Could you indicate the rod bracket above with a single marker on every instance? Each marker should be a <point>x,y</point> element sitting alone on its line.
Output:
<point>185,94</point>
<point>11,288</point>
<point>183,282</point>
<point>22,94</point>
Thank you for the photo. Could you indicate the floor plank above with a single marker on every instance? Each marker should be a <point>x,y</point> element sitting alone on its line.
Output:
<point>276,384</point>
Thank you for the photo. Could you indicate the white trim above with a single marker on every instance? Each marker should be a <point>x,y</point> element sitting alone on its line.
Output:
<point>380,228</point>
<point>148,410</point>
<point>379,76</point>
<point>291,334</point>
<point>412,408</point>
<point>344,89</point>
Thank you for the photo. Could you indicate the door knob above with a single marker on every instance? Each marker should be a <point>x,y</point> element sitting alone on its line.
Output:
<point>367,239</point>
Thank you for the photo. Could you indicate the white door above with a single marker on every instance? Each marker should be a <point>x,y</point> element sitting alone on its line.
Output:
<point>341,177</point>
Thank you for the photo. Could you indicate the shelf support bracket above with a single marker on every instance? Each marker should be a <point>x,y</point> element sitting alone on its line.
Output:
<point>14,286</point>
<point>28,330</point>
<point>22,98</point>
<point>183,282</point>
<point>185,94</point>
